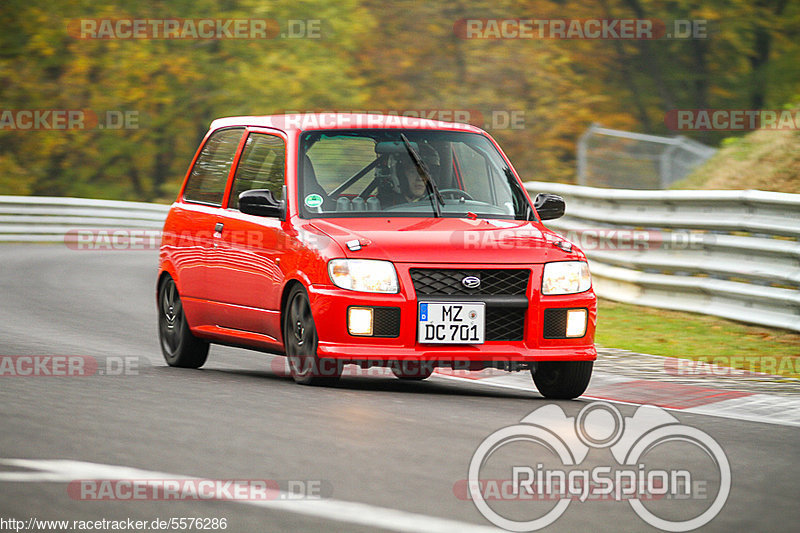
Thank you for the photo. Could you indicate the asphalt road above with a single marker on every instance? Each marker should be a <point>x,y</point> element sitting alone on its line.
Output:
<point>386,453</point>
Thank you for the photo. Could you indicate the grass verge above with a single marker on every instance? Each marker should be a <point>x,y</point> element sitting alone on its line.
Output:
<point>698,337</point>
<point>766,159</point>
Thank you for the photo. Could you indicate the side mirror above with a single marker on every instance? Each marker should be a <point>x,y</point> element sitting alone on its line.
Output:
<point>262,202</point>
<point>549,206</point>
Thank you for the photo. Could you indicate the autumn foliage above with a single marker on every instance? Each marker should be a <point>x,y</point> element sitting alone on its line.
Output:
<point>155,97</point>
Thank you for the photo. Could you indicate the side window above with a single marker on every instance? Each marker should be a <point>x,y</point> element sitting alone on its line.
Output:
<point>260,167</point>
<point>474,172</point>
<point>210,172</point>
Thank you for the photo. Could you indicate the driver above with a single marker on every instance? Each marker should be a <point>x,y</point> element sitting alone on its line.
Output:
<point>412,184</point>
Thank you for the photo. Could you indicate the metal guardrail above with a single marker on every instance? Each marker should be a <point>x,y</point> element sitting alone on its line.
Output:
<point>46,219</point>
<point>624,159</point>
<point>734,254</point>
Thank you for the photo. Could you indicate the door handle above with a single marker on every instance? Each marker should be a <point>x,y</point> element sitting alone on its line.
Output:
<point>218,227</point>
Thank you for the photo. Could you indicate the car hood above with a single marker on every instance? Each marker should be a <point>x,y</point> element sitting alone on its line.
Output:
<point>446,240</point>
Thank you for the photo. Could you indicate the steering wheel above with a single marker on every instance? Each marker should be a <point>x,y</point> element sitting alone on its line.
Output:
<point>454,193</point>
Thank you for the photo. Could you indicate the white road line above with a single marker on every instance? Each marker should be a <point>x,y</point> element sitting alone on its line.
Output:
<point>65,471</point>
<point>764,408</point>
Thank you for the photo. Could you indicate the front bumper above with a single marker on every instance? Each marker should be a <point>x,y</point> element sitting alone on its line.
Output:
<point>329,306</point>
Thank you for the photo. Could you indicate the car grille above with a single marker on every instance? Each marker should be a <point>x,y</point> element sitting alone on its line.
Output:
<point>447,282</point>
<point>503,322</point>
<point>555,323</point>
<point>386,322</point>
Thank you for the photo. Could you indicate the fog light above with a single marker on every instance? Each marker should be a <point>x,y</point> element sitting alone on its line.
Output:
<point>359,321</point>
<point>576,323</point>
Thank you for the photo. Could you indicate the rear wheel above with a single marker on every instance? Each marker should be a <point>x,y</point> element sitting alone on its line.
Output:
<point>562,380</point>
<point>179,346</point>
<point>300,340</point>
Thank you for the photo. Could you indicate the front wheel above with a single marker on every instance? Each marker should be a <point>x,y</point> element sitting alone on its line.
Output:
<point>300,340</point>
<point>179,346</point>
<point>562,380</point>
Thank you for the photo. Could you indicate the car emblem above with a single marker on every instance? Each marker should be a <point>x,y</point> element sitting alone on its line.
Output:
<point>471,282</point>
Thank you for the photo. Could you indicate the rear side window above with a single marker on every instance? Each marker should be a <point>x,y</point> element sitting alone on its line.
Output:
<point>209,175</point>
<point>260,167</point>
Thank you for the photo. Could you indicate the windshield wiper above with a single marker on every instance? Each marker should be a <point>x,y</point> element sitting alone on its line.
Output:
<point>436,198</point>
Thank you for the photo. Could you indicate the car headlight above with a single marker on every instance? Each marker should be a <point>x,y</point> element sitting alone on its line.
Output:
<point>364,275</point>
<point>566,277</point>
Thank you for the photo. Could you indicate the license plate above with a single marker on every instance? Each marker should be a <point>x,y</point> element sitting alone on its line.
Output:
<point>451,323</point>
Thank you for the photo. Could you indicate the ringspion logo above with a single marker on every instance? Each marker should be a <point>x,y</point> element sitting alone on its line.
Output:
<point>540,460</point>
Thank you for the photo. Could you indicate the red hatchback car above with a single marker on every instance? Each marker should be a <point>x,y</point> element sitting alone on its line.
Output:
<point>341,239</point>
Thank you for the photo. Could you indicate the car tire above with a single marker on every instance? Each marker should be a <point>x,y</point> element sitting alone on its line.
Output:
<point>411,370</point>
<point>562,380</point>
<point>300,341</point>
<point>179,346</point>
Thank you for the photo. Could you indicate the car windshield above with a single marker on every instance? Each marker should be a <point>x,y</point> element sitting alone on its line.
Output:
<point>394,172</point>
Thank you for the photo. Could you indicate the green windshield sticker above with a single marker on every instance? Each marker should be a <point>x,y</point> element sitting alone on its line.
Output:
<point>313,200</point>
